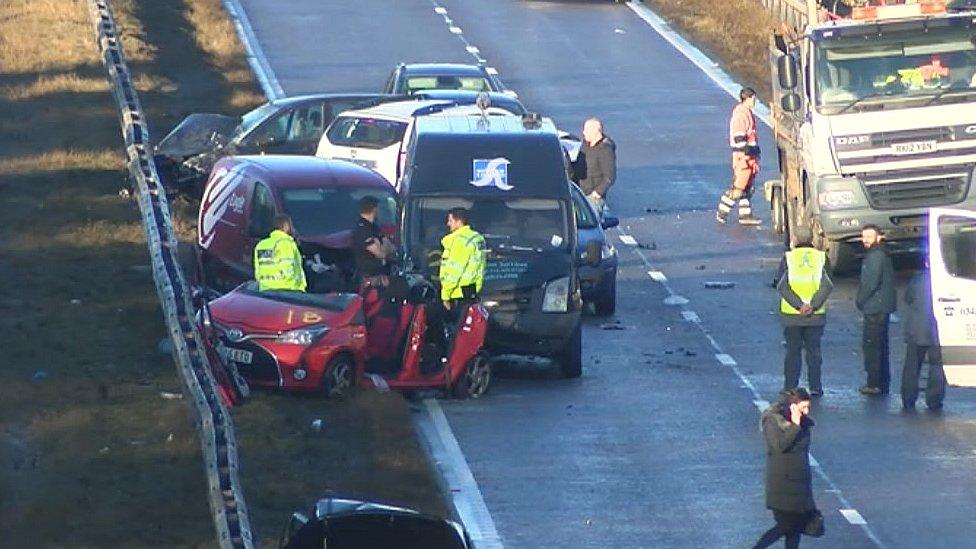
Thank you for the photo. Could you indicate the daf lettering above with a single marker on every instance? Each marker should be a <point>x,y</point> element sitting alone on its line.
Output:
<point>854,140</point>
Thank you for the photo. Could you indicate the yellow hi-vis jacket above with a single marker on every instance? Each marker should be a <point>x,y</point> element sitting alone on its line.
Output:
<point>462,262</point>
<point>278,263</point>
<point>805,271</point>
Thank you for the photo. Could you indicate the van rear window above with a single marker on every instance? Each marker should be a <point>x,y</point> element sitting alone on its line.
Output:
<point>366,133</point>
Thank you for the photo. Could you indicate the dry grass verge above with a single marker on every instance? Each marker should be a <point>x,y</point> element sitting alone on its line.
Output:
<point>87,443</point>
<point>733,32</point>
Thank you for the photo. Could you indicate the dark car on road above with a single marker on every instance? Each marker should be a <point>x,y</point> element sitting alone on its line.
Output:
<point>598,283</point>
<point>292,125</point>
<point>411,78</point>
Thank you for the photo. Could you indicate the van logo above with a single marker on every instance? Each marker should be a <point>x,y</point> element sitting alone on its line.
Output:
<point>491,173</point>
<point>853,140</point>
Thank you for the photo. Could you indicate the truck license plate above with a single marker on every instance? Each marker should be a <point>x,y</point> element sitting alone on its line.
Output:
<point>914,147</point>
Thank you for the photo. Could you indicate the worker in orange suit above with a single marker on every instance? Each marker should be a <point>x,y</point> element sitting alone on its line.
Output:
<point>745,161</point>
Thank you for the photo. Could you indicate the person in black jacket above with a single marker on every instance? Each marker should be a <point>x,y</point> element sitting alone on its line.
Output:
<point>921,339</point>
<point>786,427</point>
<point>596,164</point>
<point>876,300</point>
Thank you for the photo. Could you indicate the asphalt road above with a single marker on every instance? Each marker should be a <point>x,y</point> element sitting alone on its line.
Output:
<point>657,445</point>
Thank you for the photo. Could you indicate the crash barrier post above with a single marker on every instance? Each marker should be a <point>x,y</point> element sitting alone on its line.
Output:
<point>791,12</point>
<point>211,418</point>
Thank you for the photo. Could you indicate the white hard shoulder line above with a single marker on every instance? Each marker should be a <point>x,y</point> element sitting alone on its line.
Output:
<point>725,82</point>
<point>443,448</point>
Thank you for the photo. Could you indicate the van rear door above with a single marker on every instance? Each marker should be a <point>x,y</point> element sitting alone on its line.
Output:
<point>952,260</point>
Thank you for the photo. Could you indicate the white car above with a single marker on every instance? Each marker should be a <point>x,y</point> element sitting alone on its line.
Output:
<point>952,261</point>
<point>375,137</point>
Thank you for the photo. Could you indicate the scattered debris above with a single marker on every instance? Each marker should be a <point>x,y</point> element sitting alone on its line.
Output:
<point>169,438</point>
<point>699,267</point>
<point>76,302</point>
<point>39,375</point>
<point>651,246</point>
<point>675,300</point>
<point>104,450</point>
<point>619,31</point>
<point>317,425</point>
<point>615,325</point>
<point>691,353</point>
<point>652,210</point>
<point>719,285</point>
<point>171,396</point>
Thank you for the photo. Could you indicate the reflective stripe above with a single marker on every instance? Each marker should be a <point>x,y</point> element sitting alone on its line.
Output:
<point>462,262</point>
<point>804,271</point>
<point>278,263</point>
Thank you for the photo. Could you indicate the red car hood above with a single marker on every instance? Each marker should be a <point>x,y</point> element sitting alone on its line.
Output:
<point>278,312</point>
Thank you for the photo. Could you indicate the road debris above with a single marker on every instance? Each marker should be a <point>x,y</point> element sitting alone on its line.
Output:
<point>76,302</point>
<point>39,375</point>
<point>171,396</point>
<point>719,285</point>
<point>317,425</point>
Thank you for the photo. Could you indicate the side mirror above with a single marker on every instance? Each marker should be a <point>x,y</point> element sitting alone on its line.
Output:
<point>609,222</point>
<point>787,72</point>
<point>790,102</point>
<point>593,253</point>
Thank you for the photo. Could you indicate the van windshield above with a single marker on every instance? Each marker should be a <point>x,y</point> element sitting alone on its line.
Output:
<point>366,133</point>
<point>325,210</point>
<point>514,224</point>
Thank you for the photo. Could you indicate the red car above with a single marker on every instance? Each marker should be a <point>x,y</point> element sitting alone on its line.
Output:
<point>244,193</point>
<point>329,342</point>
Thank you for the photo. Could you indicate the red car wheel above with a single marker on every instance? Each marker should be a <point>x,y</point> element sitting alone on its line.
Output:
<point>338,377</point>
<point>475,379</point>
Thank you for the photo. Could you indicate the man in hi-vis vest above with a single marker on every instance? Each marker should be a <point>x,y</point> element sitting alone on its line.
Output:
<point>803,288</point>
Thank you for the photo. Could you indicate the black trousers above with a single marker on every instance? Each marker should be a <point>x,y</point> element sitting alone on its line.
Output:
<point>876,354</point>
<point>935,387</point>
<point>789,524</point>
<point>807,339</point>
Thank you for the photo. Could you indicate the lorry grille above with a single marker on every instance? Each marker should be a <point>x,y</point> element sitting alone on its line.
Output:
<point>916,189</point>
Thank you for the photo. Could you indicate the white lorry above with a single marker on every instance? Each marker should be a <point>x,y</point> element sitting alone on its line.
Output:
<point>875,120</point>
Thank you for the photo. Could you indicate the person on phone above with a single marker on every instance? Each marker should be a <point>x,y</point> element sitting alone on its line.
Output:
<point>371,249</point>
<point>786,427</point>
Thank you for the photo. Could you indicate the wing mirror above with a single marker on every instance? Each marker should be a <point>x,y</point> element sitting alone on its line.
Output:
<point>609,222</point>
<point>790,102</point>
<point>787,72</point>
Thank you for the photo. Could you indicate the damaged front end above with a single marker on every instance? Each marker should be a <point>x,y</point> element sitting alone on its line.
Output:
<point>186,155</point>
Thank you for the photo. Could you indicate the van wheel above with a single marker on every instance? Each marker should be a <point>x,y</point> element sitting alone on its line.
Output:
<point>340,373</point>
<point>474,380</point>
<point>607,305</point>
<point>571,359</point>
<point>778,210</point>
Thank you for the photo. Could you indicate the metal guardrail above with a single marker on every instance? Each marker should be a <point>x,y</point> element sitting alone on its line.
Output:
<point>791,12</point>
<point>212,420</point>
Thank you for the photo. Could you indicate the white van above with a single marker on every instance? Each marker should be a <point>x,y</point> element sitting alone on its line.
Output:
<point>952,261</point>
<point>374,137</point>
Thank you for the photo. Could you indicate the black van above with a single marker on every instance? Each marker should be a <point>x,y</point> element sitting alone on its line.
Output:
<point>508,171</point>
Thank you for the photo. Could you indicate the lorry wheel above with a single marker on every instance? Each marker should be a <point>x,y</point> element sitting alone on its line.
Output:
<point>475,379</point>
<point>841,257</point>
<point>340,373</point>
<point>778,211</point>
<point>607,305</point>
<point>571,359</point>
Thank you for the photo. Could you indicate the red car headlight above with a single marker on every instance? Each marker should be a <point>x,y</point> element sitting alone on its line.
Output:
<point>302,336</point>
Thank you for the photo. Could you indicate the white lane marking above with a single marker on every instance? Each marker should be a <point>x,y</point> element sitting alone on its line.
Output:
<point>675,300</point>
<point>255,55</point>
<point>761,404</point>
<point>691,316</point>
<point>707,66</point>
<point>455,30</point>
<point>628,240</point>
<point>492,71</point>
<point>658,276</point>
<point>440,10</point>
<point>727,360</point>
<point>464,493</point>
<point>468,502</point>
<point>854,517</point>
<point>473,50</point>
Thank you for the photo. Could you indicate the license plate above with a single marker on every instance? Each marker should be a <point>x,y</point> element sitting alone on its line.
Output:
<point>239,356</point>
<point>914,147</point>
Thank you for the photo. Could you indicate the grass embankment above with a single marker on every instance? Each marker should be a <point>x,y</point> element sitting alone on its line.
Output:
<point>90,454</point>
<point>735,33</point>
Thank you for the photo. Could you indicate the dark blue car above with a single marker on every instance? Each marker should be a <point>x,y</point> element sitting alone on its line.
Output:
<point>597,283</point>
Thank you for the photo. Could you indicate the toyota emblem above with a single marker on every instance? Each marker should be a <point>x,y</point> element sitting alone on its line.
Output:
<point>235,334</point>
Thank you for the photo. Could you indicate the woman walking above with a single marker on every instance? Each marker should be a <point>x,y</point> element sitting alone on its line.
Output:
<point>786,426</point>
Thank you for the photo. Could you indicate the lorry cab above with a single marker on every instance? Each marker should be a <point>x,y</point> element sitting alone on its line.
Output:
<point>244,193</point>
<point>508,172</point>
<point>952,262</point>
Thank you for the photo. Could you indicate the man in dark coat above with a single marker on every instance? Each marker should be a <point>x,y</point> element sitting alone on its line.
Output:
<point>876,300</point>
<point>786,427</point>
<point>596,164</point>
<point>921,339</point>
